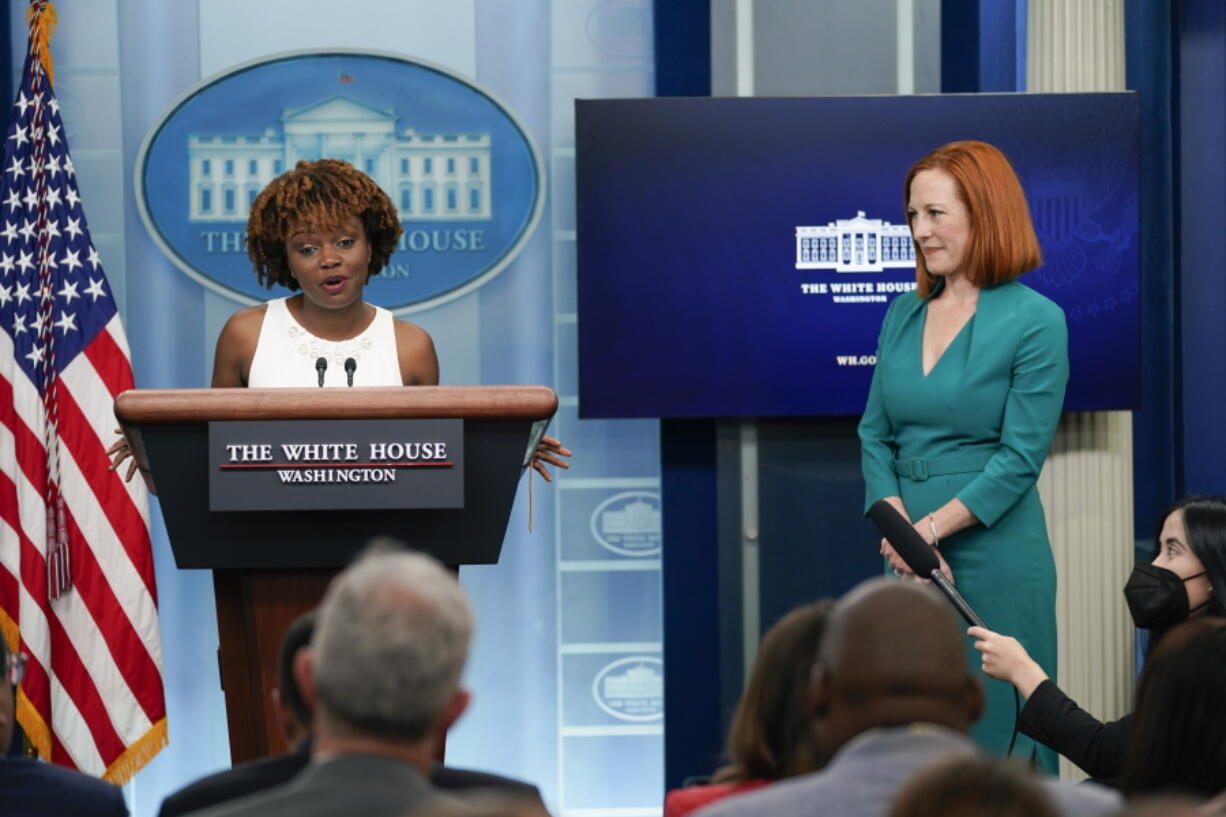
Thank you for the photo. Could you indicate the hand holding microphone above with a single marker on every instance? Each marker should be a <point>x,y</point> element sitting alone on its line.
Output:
<point>1005,659</point>
<point>900,566</point>
<point>918,555</point>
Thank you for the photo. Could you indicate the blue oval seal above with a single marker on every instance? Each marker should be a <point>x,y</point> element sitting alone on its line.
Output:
<point>629,524</point>
<point>466,176</point>
<point>631,689</point>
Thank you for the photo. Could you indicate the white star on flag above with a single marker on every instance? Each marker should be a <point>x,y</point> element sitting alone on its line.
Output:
<point>66,322</point>
<point>70,259</point>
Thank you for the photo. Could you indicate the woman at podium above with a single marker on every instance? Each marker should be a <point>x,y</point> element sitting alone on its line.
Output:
<point>970,378</point>
<point>321,231</point>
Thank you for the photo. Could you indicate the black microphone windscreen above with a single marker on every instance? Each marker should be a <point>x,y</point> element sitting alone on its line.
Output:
<point>903,537</point>
<point>351,365</point>
<point>321,364</point>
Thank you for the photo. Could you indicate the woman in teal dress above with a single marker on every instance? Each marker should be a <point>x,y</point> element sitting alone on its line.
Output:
<point>967,391</point>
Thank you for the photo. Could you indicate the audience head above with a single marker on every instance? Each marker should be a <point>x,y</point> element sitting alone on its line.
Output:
<point>293,713</point>
<point>973,786</point>
<point>1188,573</point>
<point>324,194</point>
<point>891,655</point>
<point>1176,742</point>
<point>770,738</point>
<point>1003,244</point>
<point>389,649</point>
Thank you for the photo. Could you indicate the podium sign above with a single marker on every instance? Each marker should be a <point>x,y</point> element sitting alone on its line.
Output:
<point>289,465</point>
<point>272,562</point>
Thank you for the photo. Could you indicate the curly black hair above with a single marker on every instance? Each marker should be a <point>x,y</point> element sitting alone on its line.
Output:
<point>325,193</point>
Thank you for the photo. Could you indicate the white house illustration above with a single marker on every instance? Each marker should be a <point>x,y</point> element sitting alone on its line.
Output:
<point>636,682</point>
<point>429,176</point>
<point>636,517</point>
<point>857,244</point>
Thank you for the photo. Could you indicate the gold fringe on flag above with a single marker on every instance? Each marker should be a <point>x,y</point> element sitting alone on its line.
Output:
<point>42,19</point>
<point>123,768</point>
<point>32,723</point>
<point>8,628</point>
<point>138,754</point>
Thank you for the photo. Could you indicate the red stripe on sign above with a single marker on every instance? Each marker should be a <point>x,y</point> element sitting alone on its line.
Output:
<point>346,466</point>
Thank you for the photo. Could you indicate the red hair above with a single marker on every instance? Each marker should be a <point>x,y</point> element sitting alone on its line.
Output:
<point>1003,244</point>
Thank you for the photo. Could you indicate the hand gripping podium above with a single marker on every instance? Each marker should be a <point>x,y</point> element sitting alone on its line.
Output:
<point>218,458</point>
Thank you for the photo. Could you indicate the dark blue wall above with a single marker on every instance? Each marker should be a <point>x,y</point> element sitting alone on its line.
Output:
<point>1201,278</point>
<point>983,46</point>
<point>696,646</point>
<point>1157,428</point>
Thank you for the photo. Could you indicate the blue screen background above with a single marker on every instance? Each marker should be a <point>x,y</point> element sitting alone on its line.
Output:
<point>689,301</point>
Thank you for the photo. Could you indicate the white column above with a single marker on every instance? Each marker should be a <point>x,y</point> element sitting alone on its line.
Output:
<point>1087,483</point>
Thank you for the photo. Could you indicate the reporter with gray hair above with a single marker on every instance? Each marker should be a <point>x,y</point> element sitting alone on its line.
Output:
<point>383,674</point>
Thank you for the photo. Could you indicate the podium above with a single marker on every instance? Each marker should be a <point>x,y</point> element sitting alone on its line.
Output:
<point>271,565</point>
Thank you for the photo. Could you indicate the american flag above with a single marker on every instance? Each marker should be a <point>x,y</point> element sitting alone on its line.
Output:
<point>77,590</point>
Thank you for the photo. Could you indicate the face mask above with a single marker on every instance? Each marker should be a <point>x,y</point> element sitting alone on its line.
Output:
<point>1156,596</point>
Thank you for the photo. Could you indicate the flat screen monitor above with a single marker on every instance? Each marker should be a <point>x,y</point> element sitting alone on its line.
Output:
<point>736,256</point>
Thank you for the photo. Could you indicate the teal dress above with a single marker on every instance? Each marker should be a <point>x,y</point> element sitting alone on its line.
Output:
<point>978,427</point>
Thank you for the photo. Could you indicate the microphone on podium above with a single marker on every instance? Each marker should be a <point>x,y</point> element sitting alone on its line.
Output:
<point>918,555</point>
<point>321,366</point>
<point>351,366</point>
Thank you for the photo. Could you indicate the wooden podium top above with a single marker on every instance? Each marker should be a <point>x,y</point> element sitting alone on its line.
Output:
<point>139,407</point>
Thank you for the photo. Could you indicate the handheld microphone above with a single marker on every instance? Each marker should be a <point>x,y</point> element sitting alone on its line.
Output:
<point>321,366</point>
<point>351,366</point>
<point>918,555</point>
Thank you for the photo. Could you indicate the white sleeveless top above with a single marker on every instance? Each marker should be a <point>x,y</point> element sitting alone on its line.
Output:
<point>285,353</point>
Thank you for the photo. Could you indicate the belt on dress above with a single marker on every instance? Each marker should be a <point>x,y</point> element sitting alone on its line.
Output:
<point>921,468</point>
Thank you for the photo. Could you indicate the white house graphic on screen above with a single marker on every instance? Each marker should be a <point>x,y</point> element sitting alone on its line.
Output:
<point>858,244</point>
<point>429,176</point>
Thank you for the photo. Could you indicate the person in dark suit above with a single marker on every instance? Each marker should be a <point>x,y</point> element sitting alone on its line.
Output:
<point>293,714</point>
<point>383,679</point>
<point>31,788</point>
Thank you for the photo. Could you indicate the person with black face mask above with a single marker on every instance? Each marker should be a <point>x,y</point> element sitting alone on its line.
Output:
<point>1186,578</point>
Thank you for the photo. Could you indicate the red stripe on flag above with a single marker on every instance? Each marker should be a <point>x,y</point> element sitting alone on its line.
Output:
<point>110,362</point>
<point>59,755</point>
<point>36,684</point>
<point>79,685</point>
<point>10,591</point>
<point>31,456</point>
<point>66,664</point>
<point>90,455</point>
<point>128,651</point>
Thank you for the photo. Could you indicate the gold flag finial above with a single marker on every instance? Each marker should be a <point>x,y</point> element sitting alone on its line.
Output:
<point>42,20</point>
